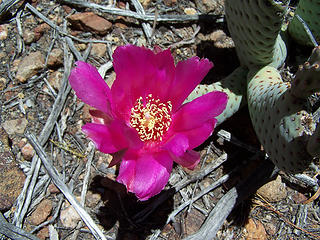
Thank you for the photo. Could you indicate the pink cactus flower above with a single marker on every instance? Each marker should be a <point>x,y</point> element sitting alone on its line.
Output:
<point>142,120</point>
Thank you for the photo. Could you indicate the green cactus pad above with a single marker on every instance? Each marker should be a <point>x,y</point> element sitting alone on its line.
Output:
<point>280,122</point>
<point>307,80</point>
<point>254,26</point>
<point>309,11</point>
<point>313,146</point>
<point>234,86</point>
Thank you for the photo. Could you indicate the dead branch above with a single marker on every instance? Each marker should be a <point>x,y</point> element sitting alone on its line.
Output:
<point>264,173</point>
<point>13,232</point>
<point>53,173</point>
<point>139,16</point>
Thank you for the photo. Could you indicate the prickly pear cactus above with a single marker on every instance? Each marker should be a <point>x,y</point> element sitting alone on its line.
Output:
<point>280,121</point>
<point>307,79</point>
<point>254,26</point>
<point>278,110</point>
<point>309,11</point>
<point>313,146</point>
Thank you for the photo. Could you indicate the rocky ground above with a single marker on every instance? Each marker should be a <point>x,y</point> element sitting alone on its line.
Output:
<point>39,42</point>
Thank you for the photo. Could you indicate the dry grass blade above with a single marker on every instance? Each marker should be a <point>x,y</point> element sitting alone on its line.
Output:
<point>201,174</point>
<point>268,206</point>
<point>146,26</point>
<point>231,199</point>
<point>13,232</point>
<point>216,184</point>
<point>314,197</point>
<point>64,189</point>
<point>139,16</point>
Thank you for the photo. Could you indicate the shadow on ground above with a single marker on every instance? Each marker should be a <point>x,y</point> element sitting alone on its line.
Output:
<point>120,206</point>
<point>225,61</point>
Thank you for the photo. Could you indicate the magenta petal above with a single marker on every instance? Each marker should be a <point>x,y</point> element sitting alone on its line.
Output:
<point>107,138</point>
<point>189,160</point>
<point>194,114</point>
<point>140,72</point>
<point>189,74</point>
<point>198,135</point>
<point>90,87</point>
<point>100,117</point>
<point>150,175</point>
<point>126,172</point>
<point>177,144</point>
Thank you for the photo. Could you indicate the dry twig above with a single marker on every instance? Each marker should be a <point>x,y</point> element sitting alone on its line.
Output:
<point>231,199</point>
<point>268,206</point>
<point>53,173</point>
<point>139,16</point>
<point>13,232</point>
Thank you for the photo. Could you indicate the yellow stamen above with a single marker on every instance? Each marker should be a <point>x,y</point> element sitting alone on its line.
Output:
<point>152,119</point>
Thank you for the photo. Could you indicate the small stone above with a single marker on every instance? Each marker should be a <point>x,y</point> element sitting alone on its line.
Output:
<point>67,9</point>
<point>99,50</point>
<point>53,189</point>
<point>29,66</point>
<point>81,46</point>
<point>11,183</point>
<point>4,31</point>
<point>299,198</point>
<point>30,20</point>
<point>55,58</point>
<point>210,5</point>
<point>29,36</point>
<point>40,30</point>
<point>41,213</point>
<point>206,6</point>
<point>122,5</point>
<point>88,21</point>
<point>145,3</point>
<point>221,40</point>
<point>3,55</point>
<point>190,11</point>
<point>92,199</point>
<point>69,217</point>
<point>103,166</point>
<point>170,3</point>
<point>255,230</point>
<point>120,23</point>
<point>16,126</point>
<point>27,152</point>
<point>273,191</point>
<point>29,103</point>
<point>55,79</point>
<point>86,116</point>
<point>43,233</point>
<point>193,221</point>
<point>270,228</point>
<point>11,177</point>
<point>15,65</point>
<point>22,142</point>
<point>3,83</point>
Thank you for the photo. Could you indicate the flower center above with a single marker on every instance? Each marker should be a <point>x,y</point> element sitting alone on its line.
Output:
<point>152,119</point>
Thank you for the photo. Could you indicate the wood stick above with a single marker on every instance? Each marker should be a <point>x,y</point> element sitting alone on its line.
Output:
<point>264,173</point>
<point>53,173</point>
<point>138,16</point>
<point>13,232</point>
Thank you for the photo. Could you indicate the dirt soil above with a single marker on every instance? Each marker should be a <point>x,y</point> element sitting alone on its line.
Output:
<point>33,77</point>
